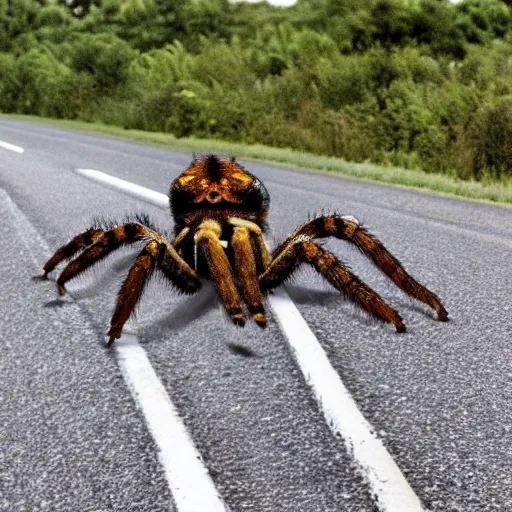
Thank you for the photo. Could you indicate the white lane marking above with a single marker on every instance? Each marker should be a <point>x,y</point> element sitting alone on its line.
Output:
<point>11,147</point>
<point>189,481</point>
<point>392,491</point>
<point>26,130</point>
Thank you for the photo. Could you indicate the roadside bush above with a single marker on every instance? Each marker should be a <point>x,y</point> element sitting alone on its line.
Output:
<point>222,64</point>
<point>347,83</point>
<point>76,96</point>
<point>41,75</point>
<point>106,57</point>
<point>490,137</point>
<point>9,85</point>
<point>273,128</point>
<point>51,16</point>
<point>350,134</point>
<point>423,84</point>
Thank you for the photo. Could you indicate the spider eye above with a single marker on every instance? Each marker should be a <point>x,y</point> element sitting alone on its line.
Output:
<point>184,179</point>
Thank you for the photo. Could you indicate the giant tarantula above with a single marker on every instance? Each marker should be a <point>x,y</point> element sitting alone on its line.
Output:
<point>219,209</point>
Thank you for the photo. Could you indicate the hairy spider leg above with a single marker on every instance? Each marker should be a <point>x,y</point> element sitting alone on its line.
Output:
<point>104,244</point>
<point>177,270</point>
<point>132,288</point>
<point>209,246</point>
<point>303,250</point>
<point>168,261</point>
<point>245,270</point>
<point>263,255</point>
<point>181,235</point>
<point>68,250</point>
<point>349,229</point>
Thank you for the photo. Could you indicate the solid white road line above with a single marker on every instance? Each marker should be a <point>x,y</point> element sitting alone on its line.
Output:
<point>389,486</point>
<point>11,147</point>
<point>188,479</point>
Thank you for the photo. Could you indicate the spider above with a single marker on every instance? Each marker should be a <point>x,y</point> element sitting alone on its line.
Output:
<point>220,209</point>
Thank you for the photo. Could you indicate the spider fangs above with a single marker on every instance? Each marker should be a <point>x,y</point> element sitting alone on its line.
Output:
<point>219,209</point>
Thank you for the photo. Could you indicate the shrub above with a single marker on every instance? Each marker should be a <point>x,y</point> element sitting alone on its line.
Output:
<point>490,137</point>
<point>41,75</point>
<point>104,56</point>
<point>9,84</point>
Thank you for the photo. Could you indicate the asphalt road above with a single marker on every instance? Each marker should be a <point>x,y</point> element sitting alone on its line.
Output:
<point>439,396</point>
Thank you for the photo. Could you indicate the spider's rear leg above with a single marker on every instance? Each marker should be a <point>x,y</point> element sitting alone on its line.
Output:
<point>304,251</point>
<point>210,248</point>
<point>348,229</point>
<point>245,269</point>
<point>104,243</point>
<point>68,250</point>
<point>165,258</point>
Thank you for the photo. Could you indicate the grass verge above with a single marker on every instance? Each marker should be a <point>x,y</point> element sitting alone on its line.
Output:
<point>439,183</point>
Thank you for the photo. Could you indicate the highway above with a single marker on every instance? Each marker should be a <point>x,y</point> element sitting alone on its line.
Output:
<point>75,434</point>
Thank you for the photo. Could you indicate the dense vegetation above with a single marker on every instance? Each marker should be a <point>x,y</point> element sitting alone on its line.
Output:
<point>421,84</point>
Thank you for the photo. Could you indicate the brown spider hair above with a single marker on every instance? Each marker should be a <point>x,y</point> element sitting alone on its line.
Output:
<point>210,187</point>
<point>220,211</point>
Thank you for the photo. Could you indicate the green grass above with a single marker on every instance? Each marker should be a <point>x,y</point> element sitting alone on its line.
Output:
<point>500,193</point>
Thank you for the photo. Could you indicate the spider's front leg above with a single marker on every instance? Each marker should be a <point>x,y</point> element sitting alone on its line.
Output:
<point>347,228</point>
<point>163,256</point>
<point>302,250</point>
<point>256,234</point>
<point>77,244</point>
<point>209,247</point>
<point>132,288</point>
<point>96,244</point>
<point>245,269</point>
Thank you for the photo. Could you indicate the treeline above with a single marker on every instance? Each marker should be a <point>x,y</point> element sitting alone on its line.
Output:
<point>420,84</point>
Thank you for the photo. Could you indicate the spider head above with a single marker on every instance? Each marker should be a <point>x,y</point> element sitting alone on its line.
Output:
<point>212,185</point>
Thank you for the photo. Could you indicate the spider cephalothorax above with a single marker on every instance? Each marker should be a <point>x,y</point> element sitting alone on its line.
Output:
<point>220,210</point>
<point>217,189</point>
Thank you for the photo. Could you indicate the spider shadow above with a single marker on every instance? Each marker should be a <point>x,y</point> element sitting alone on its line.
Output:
<point>311,296</point>
<point>188,310</point>
<point>308,296</point>
<point>39,277</point>
<point>241,350</point>
<point>56,303</point>
<point>104,275</point>
<point>409,304</point>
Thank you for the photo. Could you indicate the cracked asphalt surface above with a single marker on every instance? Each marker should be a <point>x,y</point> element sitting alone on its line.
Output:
<point>439,396</point>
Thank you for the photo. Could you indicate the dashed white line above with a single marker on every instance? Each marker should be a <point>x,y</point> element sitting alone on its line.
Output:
<point>189,481</point>
<point>389,486</point>
<point>11,147</point>
<point>126,186</point>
